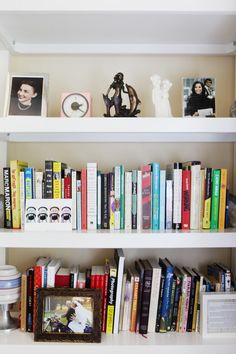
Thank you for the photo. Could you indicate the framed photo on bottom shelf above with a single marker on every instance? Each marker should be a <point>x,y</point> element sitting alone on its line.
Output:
<point>198,97</point>
<point>218,314</point>
<point>68,315</point>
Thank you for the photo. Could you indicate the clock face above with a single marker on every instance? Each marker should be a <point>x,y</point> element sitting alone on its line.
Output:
<point>75,105</point>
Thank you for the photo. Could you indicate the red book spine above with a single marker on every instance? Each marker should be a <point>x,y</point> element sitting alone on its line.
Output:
<point>186,197</point>
<point>84,198</point>
<point>62,281</point>
<point>92,281</point>
<point>67,187</point>
<point>37,284</point>
<point>146,197</point>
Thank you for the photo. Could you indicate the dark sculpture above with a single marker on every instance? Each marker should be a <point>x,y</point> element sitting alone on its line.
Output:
<point>116,100</point>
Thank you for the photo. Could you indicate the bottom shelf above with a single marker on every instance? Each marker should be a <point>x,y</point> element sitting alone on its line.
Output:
<point>168,343</point>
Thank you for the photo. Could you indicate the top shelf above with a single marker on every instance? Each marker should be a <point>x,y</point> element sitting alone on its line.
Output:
<point>96,129</point>
<point>119,27</point>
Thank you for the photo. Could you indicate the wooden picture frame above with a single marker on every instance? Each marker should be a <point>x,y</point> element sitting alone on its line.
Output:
<point>218,314</point>
<point>26,95</point>
<point>68,315</point>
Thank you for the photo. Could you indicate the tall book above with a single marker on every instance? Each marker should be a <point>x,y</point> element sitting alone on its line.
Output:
<point>146,197</point>
<point>207,199</point>
<point>168,272</point>
<point>223,185</point>
<point>134,199</point>
<point>155,167</point>
<point>48,185</point>
<point>91,195</point>
<point>134,302</point>
<point>117,197</point>
<point>145,296</point>
<point>112,282</point>
<point>111,201</point>
<point>169,204</point>
<point>15,167</point>
<point>84,199</point>
<point>105,201</point>
<point>122,197</point>
<point>57,171</point>
<point>162,198</point>
<point>186,197</point>
<point>120,261</point>
<point>215,199</point>
<point>154,298</point>
<point>128,200</point>
<point>7,198</point>
<point>174,173</point>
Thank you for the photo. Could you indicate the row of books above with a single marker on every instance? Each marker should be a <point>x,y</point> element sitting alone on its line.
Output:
<point>150,296</point>
<point>184,196</point>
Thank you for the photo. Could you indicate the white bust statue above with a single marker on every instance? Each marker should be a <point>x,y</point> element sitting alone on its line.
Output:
<point>160,96</point>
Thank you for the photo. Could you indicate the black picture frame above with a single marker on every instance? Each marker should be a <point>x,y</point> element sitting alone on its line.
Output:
<point>55,322</point>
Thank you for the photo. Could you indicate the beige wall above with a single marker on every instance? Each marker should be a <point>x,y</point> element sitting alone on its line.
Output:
<point>94,73</point>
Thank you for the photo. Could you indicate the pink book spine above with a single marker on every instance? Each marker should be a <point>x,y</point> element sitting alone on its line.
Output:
<point>146,197</point>
<point>84,198</point>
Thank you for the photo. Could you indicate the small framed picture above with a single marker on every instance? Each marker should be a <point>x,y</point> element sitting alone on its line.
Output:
<point>26,95</point>
<point>65,314</point>
<point>199,97</point>
<point>218,314</point>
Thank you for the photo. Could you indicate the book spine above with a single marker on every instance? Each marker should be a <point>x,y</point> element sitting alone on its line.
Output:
<point>30,299</point>
<point>38,184</point>
<point>128,200</point>
<point>67,183</point>
<point>28,174</point>
<point>172,298</point>
<point>145,301</point>
<point>56,180</point>
<point>74,199</point>
<point>146,197</point>
<point>48,187</point>
<point>202,197</point>
<point>215,199</point>
<point>134,200</point>
<point>169,204</point>
<point>112,200</point>
<point>166,300</point>
<point>186,305</point>
<point>207,200</point>
<point>134,306</point>
<point>104,305</point>
<point>84,198</point>
<point>196,301</point>
<point>191,304</point>
<point>117,197</point>
<point>223,184</point>
<point>105,201</point>
<point>186,199</point>
<point>162,198</point>
<point>154,298</point>
<point>99,200</point>
<point>161,292</point>
<point>22,198</point>
<point>23,302</point>
<point>195,197</point>
<point>91,196</point>
<point>155,196</point>
<point>177,195</point>
<point>176,304</point>
<point>7,198</point>
<point>139,200</point>
<point>111,300</point>
<point>122,197</point>
<point>78,203</point>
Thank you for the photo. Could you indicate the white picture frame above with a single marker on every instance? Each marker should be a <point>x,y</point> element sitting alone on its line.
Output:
<point>218,314</point>
<point>26,95</point>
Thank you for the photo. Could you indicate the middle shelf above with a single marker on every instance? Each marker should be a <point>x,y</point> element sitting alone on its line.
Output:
<point>118,239</point>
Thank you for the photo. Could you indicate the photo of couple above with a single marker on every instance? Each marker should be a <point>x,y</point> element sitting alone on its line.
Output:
<point>73,315</point>
<point>199,97</point>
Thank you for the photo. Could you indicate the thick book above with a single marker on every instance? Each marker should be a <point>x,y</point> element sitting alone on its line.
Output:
<point>154,298</point>
<point>177,297</point>
<point>57,173</point>
<point>193,276</point>
<point>117,175</point>
<point>7,198</point>
<point>158,314</point>
<point>15,167</point>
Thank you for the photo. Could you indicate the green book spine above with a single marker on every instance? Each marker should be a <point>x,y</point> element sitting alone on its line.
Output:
<point>215,199</point>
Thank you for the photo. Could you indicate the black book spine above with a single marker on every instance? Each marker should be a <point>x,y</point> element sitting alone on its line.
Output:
<point>145,302</point>
<point>191,304</point>
<point>176,304</point>
<point>30,299</point>
<point>88,278</point>
<point>7,198</point>
<point>170,315</point>
<point>158,318</point>
<point>104,201</point>
<point>48,186</point>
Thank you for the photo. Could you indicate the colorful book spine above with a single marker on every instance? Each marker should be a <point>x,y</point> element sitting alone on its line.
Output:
<point>67,183</point>
<point>134,199</point>
<point>91,195</point>
<point>28,174</point>
<point>15,167</point>
<point>99,200</point>
<point>128,200</point>
<point>168,272</point>
<point>111,297</point>
<point>7,198</point>
<point>30,299</point>
<point>162,198</point>
<point>186,198</point>
<point>84,199</point>
<point>48,188</point>
<point>122,197</point>
<point>57,172</point>
<point>78,204</point>
<point>155,167</point>
<point>146,197</point>
<point>177,195</point>
<point>223,184</point>
<point>74,199</point>
<point>207,199</point>
<point>215,199</point>
<point>134,305</point>
<point>117,197</point>
<point>112,200</point>
<point>120,262</point>
<point>104,200</point>
<point>139,200</point>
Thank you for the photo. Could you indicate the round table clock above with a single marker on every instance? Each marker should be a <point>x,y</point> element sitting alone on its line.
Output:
<point>75,105</point>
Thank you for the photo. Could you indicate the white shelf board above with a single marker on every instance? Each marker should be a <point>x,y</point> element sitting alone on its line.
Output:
<point>32,129</point>
<point>179,343</point>
<point>101,239</point>
<point>105,27</point>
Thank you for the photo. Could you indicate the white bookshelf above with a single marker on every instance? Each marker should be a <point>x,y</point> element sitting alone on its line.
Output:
<point>102,36</point>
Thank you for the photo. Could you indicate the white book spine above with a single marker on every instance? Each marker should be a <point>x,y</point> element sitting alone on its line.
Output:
<point>99,201</point>
<point>78,202</point>
<point>195,197</point>
<point>120,268</point>
<point>22,198</point>
<point>127,305</point>
<point>38,184</point>
<point>169,208</point>
<point>92,195</point>
<point>162,199</point>
<point>139,200</point>
<point>128,200</point>
<point>177,197</point>
<point>154,297</point>
<point>74,199</point>
<point>52,268</point>
<point>117,198</point>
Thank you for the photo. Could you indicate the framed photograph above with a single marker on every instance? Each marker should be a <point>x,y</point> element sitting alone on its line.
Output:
<point>218,314</point>
<point>65,314</point>
<point>199,97</point>
<point>26,95</point>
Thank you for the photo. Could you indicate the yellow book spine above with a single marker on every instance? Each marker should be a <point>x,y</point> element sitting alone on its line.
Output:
<point>223,185</point>
<point>15,167</point>
<point>23,302</point>
<point>202,177</point>
<point>207,214</point>
<point>57,180</point>
<point>197,291</point>
<point>110,317</point>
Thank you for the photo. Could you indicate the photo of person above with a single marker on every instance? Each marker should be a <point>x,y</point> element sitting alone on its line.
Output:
<point>26,96</point>
<point>199,97</point>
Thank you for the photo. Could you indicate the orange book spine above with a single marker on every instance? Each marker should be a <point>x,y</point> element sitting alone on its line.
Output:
<point>134,306</point>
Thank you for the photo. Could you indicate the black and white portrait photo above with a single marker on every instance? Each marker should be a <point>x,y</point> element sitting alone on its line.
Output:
<point>199,97</point>
<point>26,96</point>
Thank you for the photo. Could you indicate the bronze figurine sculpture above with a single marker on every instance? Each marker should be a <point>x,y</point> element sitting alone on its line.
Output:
<point>116,100</point>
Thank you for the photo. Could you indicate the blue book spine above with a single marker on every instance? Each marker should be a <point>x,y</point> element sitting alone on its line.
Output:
<point>168,271</point>
<point>28,173</point>
<point>155,196</point>
<point>162,198</point>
